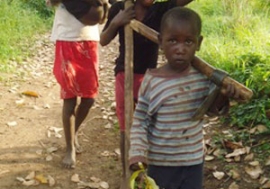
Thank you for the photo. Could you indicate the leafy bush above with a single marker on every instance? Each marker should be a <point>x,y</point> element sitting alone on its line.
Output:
<point>19,28</point>
<point>235,40</point>
<point>39,7</point>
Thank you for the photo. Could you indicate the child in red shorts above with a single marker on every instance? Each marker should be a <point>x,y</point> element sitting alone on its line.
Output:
<point>76,71</point>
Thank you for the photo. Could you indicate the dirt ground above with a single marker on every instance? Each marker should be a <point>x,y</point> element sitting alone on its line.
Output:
<point>31,139</point>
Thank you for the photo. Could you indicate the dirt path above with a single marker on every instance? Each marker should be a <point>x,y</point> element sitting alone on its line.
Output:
<point>31,136</point>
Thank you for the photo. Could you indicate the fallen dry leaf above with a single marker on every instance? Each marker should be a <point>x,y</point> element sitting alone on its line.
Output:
<point>261,128</point>
<point>41,179</point>
<point>218,175</point>
<point>105,153</point>
<point>4,171</point>
<point>49,158</point>
<point>233,145</point>
<point>12,123</point>
<point>234,174</point>
<point>104,185</point>
<point>46,106</point>
<point>267,161</point>
<point>237,152</point>
<point>30,176</point>
<point>254,163</point>
<point>254,171</point>
<point>19,102</point>
<point>218,153</point>
<point>117,151</point>
<point>95,179</point>
<point>52,149</point>
<point>233,186</point>
<point>75,178</point>
<point>51,180</point>
<point>20,179</point>
<point>263,180</point>
<point>88,185</point>
<point>249,157</point>
<point>266,185</point>
<point>253,130</point>
<point>108,126</point>
<point>237,158</point>
<point>39,152</point>
<point>228,160</point>
<point>30,94</point>
<point>210,150</point>
<point>209,158</point>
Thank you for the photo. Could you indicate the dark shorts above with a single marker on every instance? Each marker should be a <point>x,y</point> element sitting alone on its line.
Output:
<point>184,177</point>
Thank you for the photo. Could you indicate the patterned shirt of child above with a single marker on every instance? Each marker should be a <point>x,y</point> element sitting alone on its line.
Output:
<point>163,133</point>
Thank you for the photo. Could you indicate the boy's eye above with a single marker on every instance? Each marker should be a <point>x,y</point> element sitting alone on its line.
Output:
<point>189,42</point>
<point>172,41</point>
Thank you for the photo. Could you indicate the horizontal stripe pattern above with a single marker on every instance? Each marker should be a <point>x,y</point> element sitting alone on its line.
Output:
<point>162,129</point>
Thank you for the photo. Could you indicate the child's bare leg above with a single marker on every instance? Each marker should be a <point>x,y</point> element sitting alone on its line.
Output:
<point>69,160</point>
<point>81,113</point>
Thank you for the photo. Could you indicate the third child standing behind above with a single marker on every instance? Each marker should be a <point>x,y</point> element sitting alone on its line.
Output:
<point>164,137</point>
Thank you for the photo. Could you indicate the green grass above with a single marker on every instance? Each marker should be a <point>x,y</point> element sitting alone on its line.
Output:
<point>237,40</point>
<point>233,28</point>
<point>20,26</point>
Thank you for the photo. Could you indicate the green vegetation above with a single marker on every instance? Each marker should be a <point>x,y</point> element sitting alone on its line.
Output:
<point>236,39</point>
<point>20,23</point>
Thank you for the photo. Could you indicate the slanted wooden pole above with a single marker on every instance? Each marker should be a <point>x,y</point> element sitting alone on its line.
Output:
<point>129,104</point>
<point>205,68</point>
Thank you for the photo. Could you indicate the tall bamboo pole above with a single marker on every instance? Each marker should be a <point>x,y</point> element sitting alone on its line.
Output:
<point>129,104</point>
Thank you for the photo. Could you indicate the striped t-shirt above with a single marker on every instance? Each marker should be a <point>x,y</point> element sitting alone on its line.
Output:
<point>163,133</point>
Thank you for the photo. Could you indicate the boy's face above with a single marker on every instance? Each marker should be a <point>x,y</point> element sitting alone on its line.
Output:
<point>179,41</point>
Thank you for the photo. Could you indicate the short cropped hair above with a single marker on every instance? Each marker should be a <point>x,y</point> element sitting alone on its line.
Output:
<point>181,13</point>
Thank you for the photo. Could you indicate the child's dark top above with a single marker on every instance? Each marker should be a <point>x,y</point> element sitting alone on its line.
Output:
<point>145,51</point>
<point>78,8</point>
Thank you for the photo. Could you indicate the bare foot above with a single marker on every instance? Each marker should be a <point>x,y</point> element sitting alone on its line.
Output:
<point>78,147</point>
<point>69,160</point>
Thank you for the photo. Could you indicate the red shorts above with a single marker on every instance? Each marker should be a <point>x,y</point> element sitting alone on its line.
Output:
<point>76,68</point>
<point>120,95</point>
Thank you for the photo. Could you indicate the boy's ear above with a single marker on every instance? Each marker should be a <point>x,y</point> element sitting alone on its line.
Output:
<point>199,42</point>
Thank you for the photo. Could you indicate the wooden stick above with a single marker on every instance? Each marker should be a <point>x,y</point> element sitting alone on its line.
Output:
<point>205,68</point>
<point>128,95</point>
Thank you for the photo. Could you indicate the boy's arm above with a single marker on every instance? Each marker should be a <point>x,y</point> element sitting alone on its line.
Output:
<point>139,130</point>
<point>96,14</point>
<point>122,18</point>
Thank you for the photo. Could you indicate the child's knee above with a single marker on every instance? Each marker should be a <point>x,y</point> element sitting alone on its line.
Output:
<point>87,102</point>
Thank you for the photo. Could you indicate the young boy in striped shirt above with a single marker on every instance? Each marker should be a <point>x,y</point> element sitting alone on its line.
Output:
<point>164,137</point>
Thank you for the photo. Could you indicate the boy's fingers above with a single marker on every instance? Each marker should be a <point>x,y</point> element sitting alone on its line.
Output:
<point>233,92</point>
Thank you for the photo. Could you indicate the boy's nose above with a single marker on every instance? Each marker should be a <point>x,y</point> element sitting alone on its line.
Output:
<point>180,49</point>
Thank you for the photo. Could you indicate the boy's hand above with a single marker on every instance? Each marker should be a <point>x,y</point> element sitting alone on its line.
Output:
<point>233,92</point>
<point>124,16</point>
<point>140,179</point>
<point>137,166</point>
